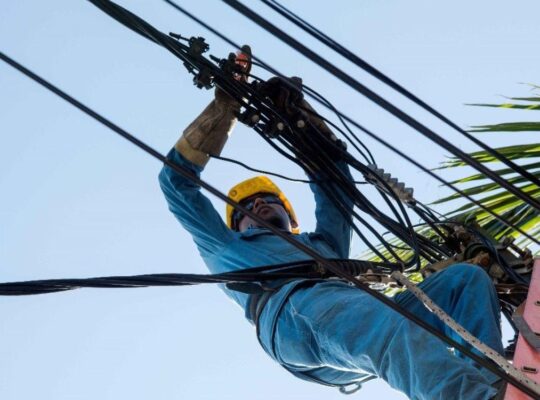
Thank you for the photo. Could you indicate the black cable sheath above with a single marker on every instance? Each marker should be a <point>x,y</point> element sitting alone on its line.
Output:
<point>297,269</point>
<point>488,364</point>
<point>359,126</point>
<point>146,30</point>
<point>340,207</point>
<point>337,47</point>
<point>353,83</point>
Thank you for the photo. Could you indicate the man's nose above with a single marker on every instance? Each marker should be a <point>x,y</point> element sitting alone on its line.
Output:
<point>259,201</point>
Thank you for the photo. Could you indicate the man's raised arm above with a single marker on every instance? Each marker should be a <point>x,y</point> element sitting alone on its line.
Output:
<point>205,136</point>
<point>334,224</point>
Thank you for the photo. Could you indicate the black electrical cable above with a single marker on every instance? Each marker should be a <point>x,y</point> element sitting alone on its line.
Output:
<point>297,269</point>
<point>358,126</point>
<point>309,156</point>
<point>488,364</point>
<point>390,224</point>
<point>353,83</point>
<point>341,208</point>
<point>350,140</point>
<point>316,95</point>
<point>381,218</point>
<point>329,193</point>
<point>414,208</point>
<point>322,37</point>
<point>190,175</point>
<point>424,169</point>
<point>508,269</point>
<point>318,151</point>
<point>432,224</point>
<point>261,171</point>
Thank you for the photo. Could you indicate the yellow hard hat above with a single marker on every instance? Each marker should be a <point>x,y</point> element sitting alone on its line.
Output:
<point>252,186</point>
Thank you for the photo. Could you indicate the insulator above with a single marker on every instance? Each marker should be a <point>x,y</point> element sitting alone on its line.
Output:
<point>405,194</point>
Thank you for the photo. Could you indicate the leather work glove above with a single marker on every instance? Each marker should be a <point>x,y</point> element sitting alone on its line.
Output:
<point>209,132</point>
<point>285,94</point>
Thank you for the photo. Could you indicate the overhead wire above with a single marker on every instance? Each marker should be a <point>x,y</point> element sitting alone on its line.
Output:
<point>489,364</point>
<point>426,242</point>
<point>349,55</point>
<point>357,86</point>
<point>262,171</point>
<point>296,269</point>
<point>343,209</point>
<point>383,142</point>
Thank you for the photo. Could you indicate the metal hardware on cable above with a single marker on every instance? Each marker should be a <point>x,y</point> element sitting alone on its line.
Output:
<point>356,85</point>
<point>322,261</point>
<point>465,335</point>
<point>348,119</point>
<point>323,38</point>
<point>238,91</point>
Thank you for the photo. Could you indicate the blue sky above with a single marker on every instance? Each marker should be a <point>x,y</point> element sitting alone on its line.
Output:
<point>78,201</point>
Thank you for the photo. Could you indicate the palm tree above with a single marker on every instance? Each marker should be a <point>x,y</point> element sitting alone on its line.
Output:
<point>490,194</point>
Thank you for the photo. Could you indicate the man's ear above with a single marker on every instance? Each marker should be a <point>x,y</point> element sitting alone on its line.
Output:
<point>294,224</point>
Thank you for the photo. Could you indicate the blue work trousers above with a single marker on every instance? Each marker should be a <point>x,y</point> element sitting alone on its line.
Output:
<point>332,330</point>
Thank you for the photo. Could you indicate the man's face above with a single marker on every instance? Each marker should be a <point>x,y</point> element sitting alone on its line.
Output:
<point>268,207</point>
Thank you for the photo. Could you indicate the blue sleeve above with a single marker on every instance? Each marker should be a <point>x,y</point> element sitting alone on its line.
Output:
<point>332,223</point>
<point>194,211</point>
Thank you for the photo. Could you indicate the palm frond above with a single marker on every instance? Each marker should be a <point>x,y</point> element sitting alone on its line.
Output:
<point>514,152</point>
<point>509,105</point>
<point>508,127</point>
<point>490,194</point>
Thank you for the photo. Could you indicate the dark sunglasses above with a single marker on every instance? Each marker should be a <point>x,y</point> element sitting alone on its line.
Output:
<point>250,202</point>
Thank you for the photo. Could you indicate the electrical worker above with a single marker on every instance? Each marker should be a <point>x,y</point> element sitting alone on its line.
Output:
<point>327,331</point>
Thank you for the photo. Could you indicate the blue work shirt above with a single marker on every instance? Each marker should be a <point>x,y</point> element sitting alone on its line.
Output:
<point>225,250</point>
<point>331,333</point>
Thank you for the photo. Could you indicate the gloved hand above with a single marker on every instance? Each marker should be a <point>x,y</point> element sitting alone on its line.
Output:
<point>288,100</point>
<point>285,93</point>
<point>209,132</point>
<point>243,62</point>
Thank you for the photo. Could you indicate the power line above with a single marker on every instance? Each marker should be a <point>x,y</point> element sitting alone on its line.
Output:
<point>488,364</point>
<point>262,171</point>
<point>353,83</point>
<point>327,105</point>
<point>240,91</point>
<point>337,47</point>
<point>297,269</point>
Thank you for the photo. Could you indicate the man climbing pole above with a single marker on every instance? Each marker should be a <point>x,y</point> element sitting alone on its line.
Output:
<point>327,331</point>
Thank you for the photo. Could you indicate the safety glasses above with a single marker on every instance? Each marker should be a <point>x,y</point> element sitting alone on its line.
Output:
<point>249,203</point>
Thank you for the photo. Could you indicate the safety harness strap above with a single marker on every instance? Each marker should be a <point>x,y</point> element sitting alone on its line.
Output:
<point>256,303</point>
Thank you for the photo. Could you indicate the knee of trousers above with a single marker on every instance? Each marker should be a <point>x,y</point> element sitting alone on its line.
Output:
<point>467,274</point>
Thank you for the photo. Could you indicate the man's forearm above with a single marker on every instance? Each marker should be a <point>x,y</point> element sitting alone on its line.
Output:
<point>209,132</point>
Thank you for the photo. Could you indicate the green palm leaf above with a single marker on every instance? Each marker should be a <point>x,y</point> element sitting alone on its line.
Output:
<point>510,105</point>
<point>490,194</point>
<point>514,152</point>
<point>508,127</point>
<point>501,172</point>
<point>531,99</point>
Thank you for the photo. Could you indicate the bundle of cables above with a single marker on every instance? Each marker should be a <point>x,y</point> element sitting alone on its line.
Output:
<point>276,110</point>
